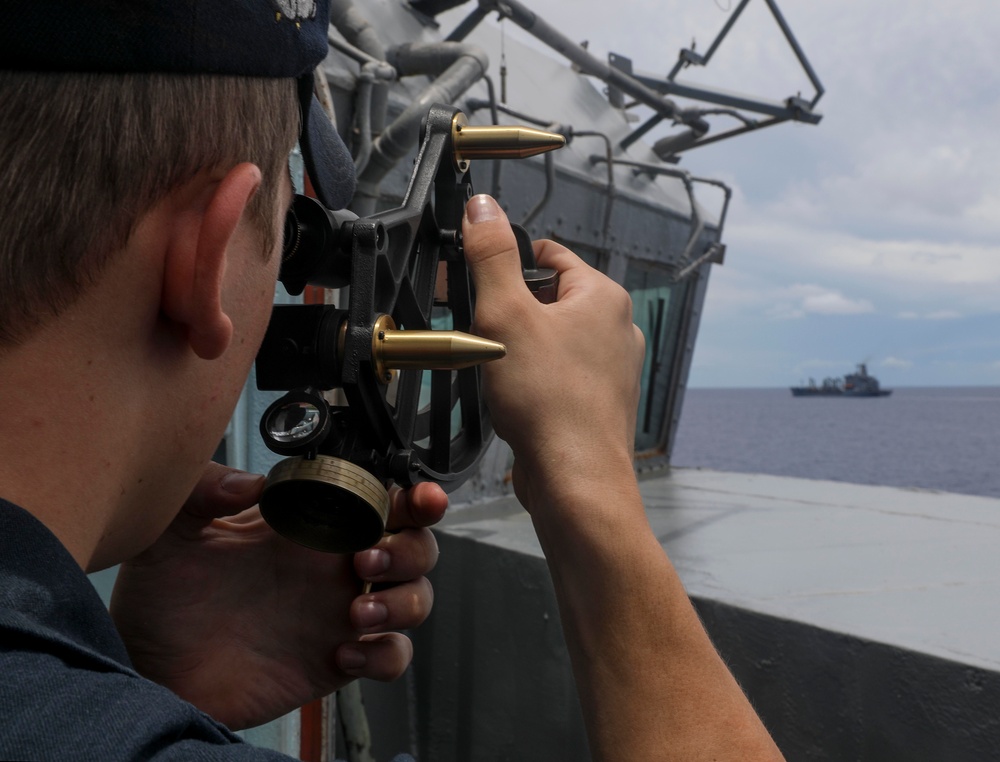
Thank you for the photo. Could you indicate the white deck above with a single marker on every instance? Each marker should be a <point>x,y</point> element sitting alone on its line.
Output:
<point>913,569</point>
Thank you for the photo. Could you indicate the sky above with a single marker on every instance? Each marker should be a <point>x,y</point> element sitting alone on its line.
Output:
<point>872,237</point>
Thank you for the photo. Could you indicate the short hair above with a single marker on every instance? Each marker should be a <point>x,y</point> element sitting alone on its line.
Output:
<point>86,155</point>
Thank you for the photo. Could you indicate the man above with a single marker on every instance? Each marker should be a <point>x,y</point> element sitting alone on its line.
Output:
<point>144,186</point>
<point>144,203</point>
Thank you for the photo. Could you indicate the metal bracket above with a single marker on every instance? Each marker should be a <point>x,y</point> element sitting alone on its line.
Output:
<point>794,108</point>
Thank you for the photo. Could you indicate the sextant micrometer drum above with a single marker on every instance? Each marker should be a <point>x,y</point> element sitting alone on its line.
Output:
<point>409,310</point>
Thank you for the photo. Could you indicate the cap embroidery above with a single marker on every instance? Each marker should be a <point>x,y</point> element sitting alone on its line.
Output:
<point>295,10</point>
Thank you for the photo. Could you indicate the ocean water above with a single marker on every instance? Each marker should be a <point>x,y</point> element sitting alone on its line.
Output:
<point>945,439</point>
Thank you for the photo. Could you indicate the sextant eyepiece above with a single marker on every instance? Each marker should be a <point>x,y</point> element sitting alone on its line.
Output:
<point>297,423</point>
<point>316,248</point>
<point>292,237</point>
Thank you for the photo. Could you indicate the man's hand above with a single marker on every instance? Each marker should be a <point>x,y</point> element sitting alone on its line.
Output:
<point>566,394</point>
<point>247,625</point>
<point>651,685</point>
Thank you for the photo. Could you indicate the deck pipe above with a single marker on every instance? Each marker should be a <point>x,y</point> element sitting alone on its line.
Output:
<point>455,67</point>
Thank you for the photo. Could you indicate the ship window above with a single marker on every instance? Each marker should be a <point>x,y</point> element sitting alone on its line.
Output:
<point>657,308</point>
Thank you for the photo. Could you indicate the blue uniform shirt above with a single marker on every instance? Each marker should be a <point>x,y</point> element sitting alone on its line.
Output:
<point>67,687</point>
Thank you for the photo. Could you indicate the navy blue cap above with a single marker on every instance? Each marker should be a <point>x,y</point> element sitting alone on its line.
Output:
<point>254,38</point>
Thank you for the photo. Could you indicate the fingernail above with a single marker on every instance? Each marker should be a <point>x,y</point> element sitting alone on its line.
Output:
<point>351,659</point>
<point>239,482</point>
<point>482,208</point>
<point>372,563</point>
<point>372,614</point>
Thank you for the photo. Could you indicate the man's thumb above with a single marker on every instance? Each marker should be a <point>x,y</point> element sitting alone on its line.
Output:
<point>223,491</point>
<point>490,248</point>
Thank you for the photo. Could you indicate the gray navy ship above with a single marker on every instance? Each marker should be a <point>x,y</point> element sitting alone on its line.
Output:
<point>859,384</point>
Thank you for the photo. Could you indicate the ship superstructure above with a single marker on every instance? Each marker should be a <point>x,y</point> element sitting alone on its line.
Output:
<point>857,384</point>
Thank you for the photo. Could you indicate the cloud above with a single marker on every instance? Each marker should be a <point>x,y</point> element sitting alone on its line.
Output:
<point>895,362</point>
<point>820,365</point>
<point>893,200</point>
<point>933,315</point>
<point>944,315</point>
<point>822,301</point>
<point>908,278</point>
<point>785,312</point>
<point>804,299</point>
<point>881,201</point>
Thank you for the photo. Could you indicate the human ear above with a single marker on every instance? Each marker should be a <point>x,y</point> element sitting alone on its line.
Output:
<point>205,222</point>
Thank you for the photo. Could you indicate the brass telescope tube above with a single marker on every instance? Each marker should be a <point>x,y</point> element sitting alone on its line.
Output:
<point>498,141</point>
<point>393,349</point>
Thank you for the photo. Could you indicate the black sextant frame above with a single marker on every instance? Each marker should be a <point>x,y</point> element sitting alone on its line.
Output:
<point>393,259</point>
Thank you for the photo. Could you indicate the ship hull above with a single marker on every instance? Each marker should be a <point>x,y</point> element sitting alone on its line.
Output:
<point>806,391</point>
